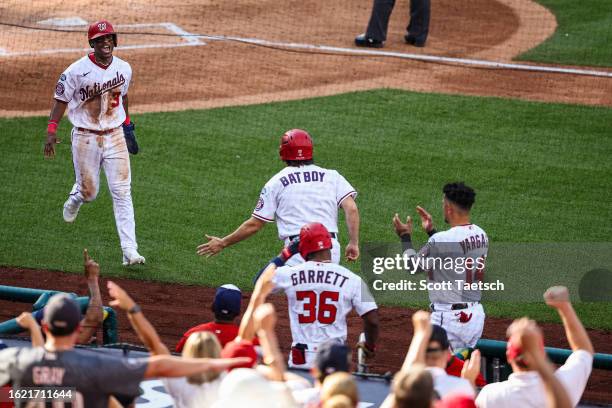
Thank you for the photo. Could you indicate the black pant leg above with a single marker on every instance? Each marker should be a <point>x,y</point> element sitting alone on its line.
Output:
<point>379,20</point>
<point>418,28</point>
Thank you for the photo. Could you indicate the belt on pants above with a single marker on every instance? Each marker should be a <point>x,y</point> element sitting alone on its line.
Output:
<point>96,132</point>
<point>455,306</point>
<point>333,235</point>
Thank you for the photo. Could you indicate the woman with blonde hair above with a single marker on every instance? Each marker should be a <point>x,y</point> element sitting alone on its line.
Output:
<point>340,383</point>
<point>195,391</point>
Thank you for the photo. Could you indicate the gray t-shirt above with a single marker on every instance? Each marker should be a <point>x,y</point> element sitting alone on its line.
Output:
<point>94,375</point>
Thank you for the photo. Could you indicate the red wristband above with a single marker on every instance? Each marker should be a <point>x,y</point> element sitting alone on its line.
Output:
<point>286,254</point>
<point>127,120</point>
<point>52,126</point>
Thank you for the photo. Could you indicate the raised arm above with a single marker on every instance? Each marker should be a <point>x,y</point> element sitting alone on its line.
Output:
<point>244,231</point>
<point>94,314</point>
<point>351,213</point>
<point>558,298</point>
<point>263,287</point>
<point>422,331</point>
<point>57,111</point>
<point>146,332</point>
<point>265,322</point>
<point>27,321</point>
<point>170,366</point>
<point>530,340</point>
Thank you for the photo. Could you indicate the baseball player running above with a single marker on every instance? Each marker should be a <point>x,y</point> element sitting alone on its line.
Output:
<point>298,194</point>
<point>95,89</point>
<point>456,308</point>
<point>320,294</point>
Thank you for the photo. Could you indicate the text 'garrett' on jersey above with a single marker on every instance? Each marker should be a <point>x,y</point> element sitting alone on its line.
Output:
<point>320,296</point>
<point>94,93</point>
<point>296,196</point>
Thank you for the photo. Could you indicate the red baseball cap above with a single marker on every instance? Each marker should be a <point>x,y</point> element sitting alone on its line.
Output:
<point>457,401</point>
<point>100,29</point>
<point>242,348</point>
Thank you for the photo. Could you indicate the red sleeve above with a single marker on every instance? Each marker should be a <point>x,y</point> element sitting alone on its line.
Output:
<point>454,367</point>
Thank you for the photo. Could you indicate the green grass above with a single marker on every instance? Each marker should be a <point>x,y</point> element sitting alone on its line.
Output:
<point>583,37</point>
<point>542,173</point>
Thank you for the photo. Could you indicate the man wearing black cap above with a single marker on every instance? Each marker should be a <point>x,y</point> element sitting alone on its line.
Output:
<point>87,377</point>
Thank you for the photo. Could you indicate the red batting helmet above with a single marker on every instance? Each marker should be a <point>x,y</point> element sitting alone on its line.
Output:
<point>314,237</point>
<point>100,29</point>
<point>296,144</point>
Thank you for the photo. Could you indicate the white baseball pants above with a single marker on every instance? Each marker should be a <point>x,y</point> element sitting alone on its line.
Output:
<point>463,327</point>
<point>90,152</point>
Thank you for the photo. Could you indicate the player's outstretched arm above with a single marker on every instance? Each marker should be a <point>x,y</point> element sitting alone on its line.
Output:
<point>216,244</point>
<point>351,213</point>
<point>57,111</point>
<point>146,332</point>
<point>578,338</point>
<point>94,314</point>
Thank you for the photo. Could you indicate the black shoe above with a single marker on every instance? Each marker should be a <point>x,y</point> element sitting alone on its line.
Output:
<point>413,41</point>
<point>363,41</point>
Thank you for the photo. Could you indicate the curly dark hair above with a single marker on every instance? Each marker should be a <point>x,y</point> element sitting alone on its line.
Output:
<point>460,194</point>
<point>299,163</point>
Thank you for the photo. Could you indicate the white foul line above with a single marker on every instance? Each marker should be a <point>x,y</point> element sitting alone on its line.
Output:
<point>194,40</point>
<point>417,57</point>
<point>191,40</point>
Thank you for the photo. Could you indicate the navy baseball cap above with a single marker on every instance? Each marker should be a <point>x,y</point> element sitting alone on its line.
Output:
<point>332,357</point>
<point>227,300</point>
<point>62,315</point>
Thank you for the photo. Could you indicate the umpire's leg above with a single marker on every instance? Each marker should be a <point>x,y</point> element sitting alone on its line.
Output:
<point>418,28</point>
<point>379,20</point>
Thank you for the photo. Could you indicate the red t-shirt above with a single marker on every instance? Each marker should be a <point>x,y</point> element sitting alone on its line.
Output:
<point>454,367</point>
<point>4,391</point>
<point>225,332</point>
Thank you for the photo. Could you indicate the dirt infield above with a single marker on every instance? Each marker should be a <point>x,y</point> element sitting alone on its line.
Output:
<point>173,308</point>
<point>223,73</point>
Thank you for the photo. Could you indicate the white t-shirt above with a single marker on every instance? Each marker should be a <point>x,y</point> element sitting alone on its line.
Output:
<point>445,384</point>
<point>188,395</point>
<point>525,388</point>
<point>320,296</point>
<point>95,93</point>
<point>296,196</point>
